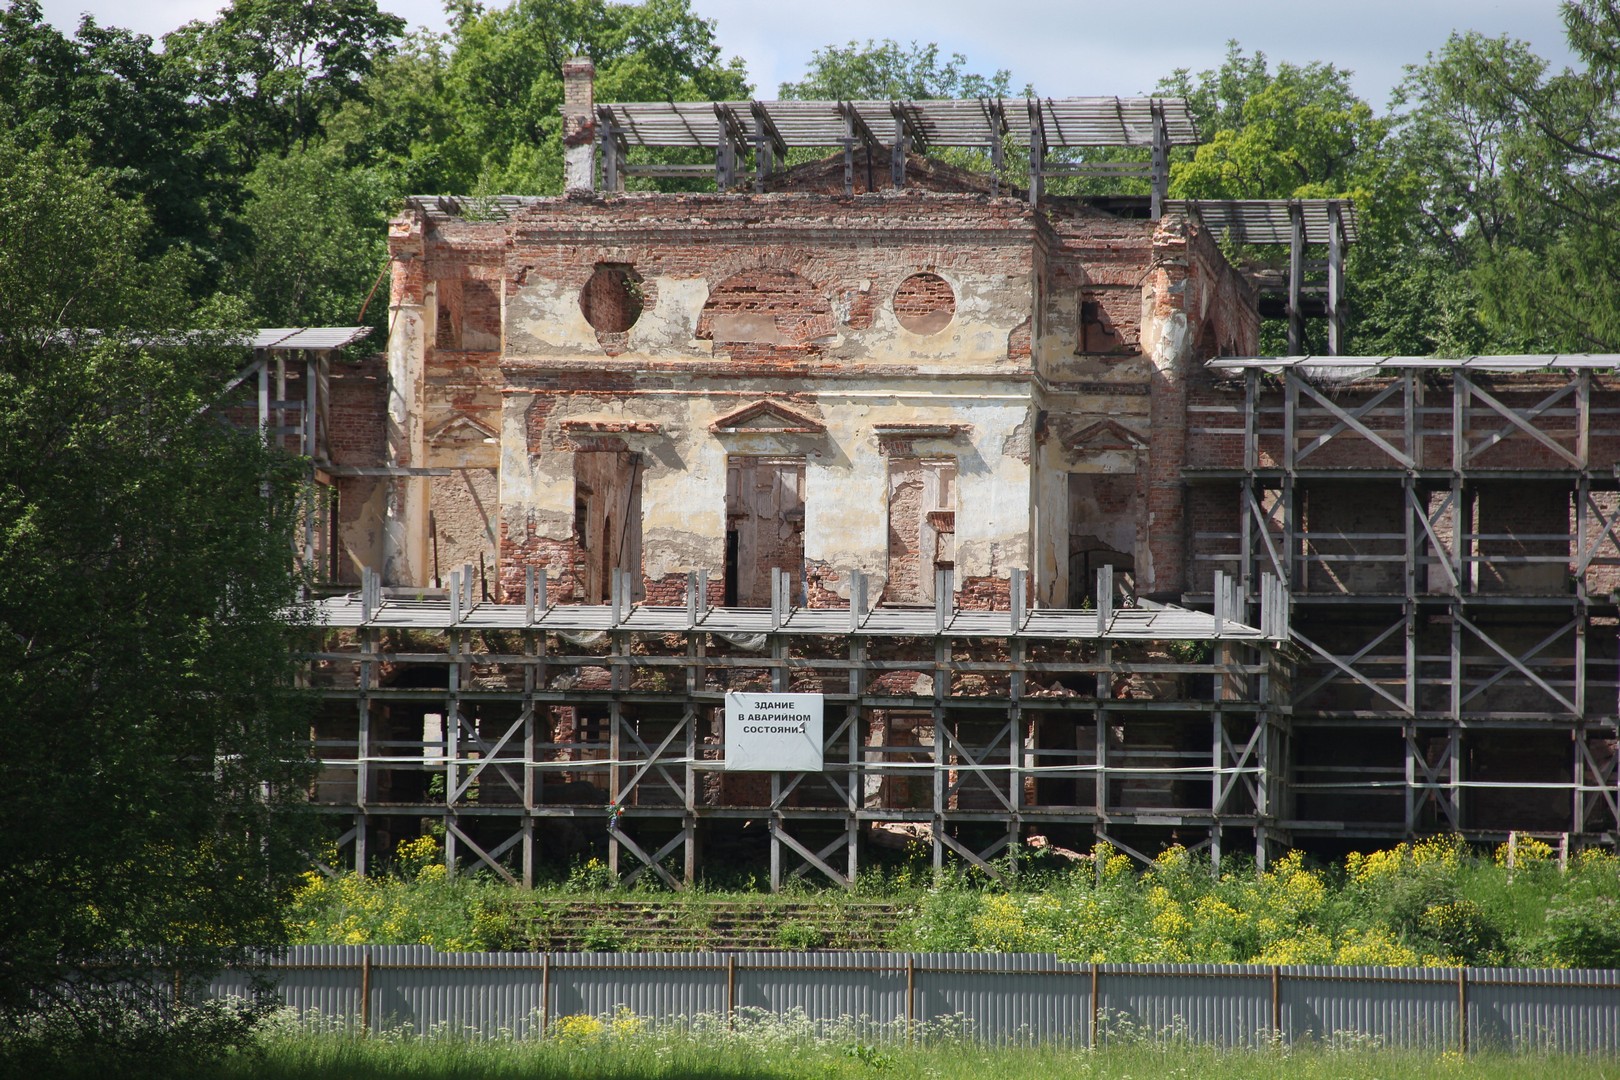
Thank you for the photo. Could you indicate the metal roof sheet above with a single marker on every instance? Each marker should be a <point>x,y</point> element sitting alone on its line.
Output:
<point>1141,624</point>
<point>1339,366</point>
<point>307,337</point>
<point>1271,221</point>
<point>971,122</point>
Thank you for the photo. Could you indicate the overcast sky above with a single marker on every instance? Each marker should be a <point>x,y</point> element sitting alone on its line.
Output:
<point>1072,48</point>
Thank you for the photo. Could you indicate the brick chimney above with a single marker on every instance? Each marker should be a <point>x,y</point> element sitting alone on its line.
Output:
<point>579,125</point>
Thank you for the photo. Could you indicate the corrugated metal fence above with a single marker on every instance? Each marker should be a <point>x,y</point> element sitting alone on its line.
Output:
<point>991,996</point>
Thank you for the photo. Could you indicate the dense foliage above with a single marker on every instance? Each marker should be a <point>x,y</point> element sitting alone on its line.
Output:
<point>1434,903</point>
<point>153,740</point>
<point>1431,904</point>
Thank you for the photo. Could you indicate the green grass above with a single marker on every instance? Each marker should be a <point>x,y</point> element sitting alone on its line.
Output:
<point>669,1055</point>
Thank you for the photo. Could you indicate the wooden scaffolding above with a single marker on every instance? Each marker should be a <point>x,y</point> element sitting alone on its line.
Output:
<point>1447,533</point>
<point>540,733</point>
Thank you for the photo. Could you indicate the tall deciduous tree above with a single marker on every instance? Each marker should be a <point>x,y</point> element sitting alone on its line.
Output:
<point>1559,283</point>
<point>272,71</point>
<point>136,114</point>
<point>1296,132</point>
<point>320,241</point>
<point>886,69</point>
<point>503,81</point>
<point>153,741</point>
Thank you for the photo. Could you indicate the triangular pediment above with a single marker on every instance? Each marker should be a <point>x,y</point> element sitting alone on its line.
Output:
<point>1107,435</point>
<point>461,426</point>
<point>766,417</point>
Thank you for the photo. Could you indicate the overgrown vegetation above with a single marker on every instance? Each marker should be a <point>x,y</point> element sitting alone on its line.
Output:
<point>767,1046</point>
<point>1434,903</point>
<point>155,739</point>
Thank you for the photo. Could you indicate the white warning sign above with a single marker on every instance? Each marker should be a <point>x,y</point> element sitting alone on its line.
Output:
<point>773,732</point>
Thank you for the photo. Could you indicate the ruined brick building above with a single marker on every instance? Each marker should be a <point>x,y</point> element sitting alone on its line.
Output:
<point>988,468</point>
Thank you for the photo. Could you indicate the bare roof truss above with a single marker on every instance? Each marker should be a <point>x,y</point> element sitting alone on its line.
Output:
<point>736,131</point>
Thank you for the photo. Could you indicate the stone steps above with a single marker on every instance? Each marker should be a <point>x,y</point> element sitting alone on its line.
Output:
<point>681,925</point>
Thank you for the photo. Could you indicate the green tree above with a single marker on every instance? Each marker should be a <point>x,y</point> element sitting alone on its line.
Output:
<point>134,111</point>
<point>319,233</point>
<point>404,121</point>
<point>887,70</point>
<point>154,742</point>
<point>1298,132</point>
<point>503,80</point>
<point>270,72</point>
<point>1557,284</point>
<point>1442,208</point>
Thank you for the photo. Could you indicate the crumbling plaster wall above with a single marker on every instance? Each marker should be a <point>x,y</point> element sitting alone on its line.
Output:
<point>357,436</point>
<point>854,253</point>
<point>688,361</point>
<point>684,468</point>
<point>1117,405</point>
<point>1001,379</point>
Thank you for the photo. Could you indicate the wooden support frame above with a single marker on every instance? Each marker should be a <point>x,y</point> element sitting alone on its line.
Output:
<point>1160,180</point>
<point>1037,153</point>
<point>1296,279</point>
<point>1455,655</point>
<point>647,796</point>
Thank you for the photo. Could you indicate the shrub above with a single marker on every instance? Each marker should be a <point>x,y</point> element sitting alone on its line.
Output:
<point>799,935</point>
<point>1585,933</point>
<point>600,937</point>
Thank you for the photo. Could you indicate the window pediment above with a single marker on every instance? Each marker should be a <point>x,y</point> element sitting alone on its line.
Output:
<point>766,418</point>
<point>1107,435</point>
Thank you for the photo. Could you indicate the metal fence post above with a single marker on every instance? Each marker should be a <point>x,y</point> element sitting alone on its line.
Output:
<point>731,991</point>
<point>1096,1007</point>
<point>365,992</point>
<point>545,992</point>
<point>911,992</point>
<point>1276,1002</point>
<point>1462,1009</point>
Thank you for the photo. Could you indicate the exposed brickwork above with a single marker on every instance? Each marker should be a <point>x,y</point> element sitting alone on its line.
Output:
<point>562,561</point>
<point>924,303</point>
<point>985,594</point>
<point>357,433</point>
<point>766,314</point>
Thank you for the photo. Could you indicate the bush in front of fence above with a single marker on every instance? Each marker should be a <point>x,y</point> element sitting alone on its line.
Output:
<point>415,902</point>
<point>1432,903</point>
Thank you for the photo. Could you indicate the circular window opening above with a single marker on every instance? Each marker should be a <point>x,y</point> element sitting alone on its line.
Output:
<point>924,303</point>
<point>611,299</point>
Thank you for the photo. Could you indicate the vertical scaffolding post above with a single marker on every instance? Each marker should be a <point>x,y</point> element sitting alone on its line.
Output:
<point>1105,599</point>
<point>1037,153</point>
<point>849,148</point>
<point>1161,162</point>
<point>725,163</point>
<point>857,599</point>
<point>1296,279</point>
<point>531,796</point>
<point>1335,290</point>
<point>1290,447</point>
<point>897,153</point>
<point>998,130</point>
<point>1015,590</point>
<point>607,135</point>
